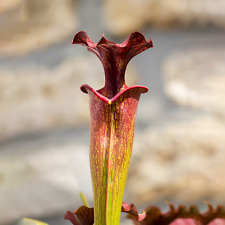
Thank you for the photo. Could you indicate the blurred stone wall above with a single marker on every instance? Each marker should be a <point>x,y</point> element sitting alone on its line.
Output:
<point>28,25</point>
<point>130,14</point>
<point>183,159</point>
<point>179,148</point>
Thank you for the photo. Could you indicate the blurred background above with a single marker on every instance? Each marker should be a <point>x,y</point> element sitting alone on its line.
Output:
<point>179,147</point>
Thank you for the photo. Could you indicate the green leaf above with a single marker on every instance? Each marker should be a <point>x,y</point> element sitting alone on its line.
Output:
<point>28,221</point>
<point>84,200</point>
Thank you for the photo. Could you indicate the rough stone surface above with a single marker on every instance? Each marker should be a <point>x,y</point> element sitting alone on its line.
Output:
<point>132,15</point>
<point>30,25</point>
<point>196,79</point>
<point>181,162</point>
<point>37,98</point>
<point>8,5</point>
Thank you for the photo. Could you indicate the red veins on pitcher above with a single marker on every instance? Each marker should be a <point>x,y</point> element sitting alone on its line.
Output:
<point>112,114</point>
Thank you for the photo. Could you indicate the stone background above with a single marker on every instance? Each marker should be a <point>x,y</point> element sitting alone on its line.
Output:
<point>179,147</point>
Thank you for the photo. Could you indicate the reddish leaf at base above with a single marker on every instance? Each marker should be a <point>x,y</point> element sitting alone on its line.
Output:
<point>85,215</point>
<point>81,216</point>
<point>153,215</point>
<point>132,211</point>
<point>182,216</point>
<point>194,222</point>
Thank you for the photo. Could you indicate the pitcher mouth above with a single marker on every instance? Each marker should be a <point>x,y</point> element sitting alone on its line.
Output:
<point>86,88</point>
